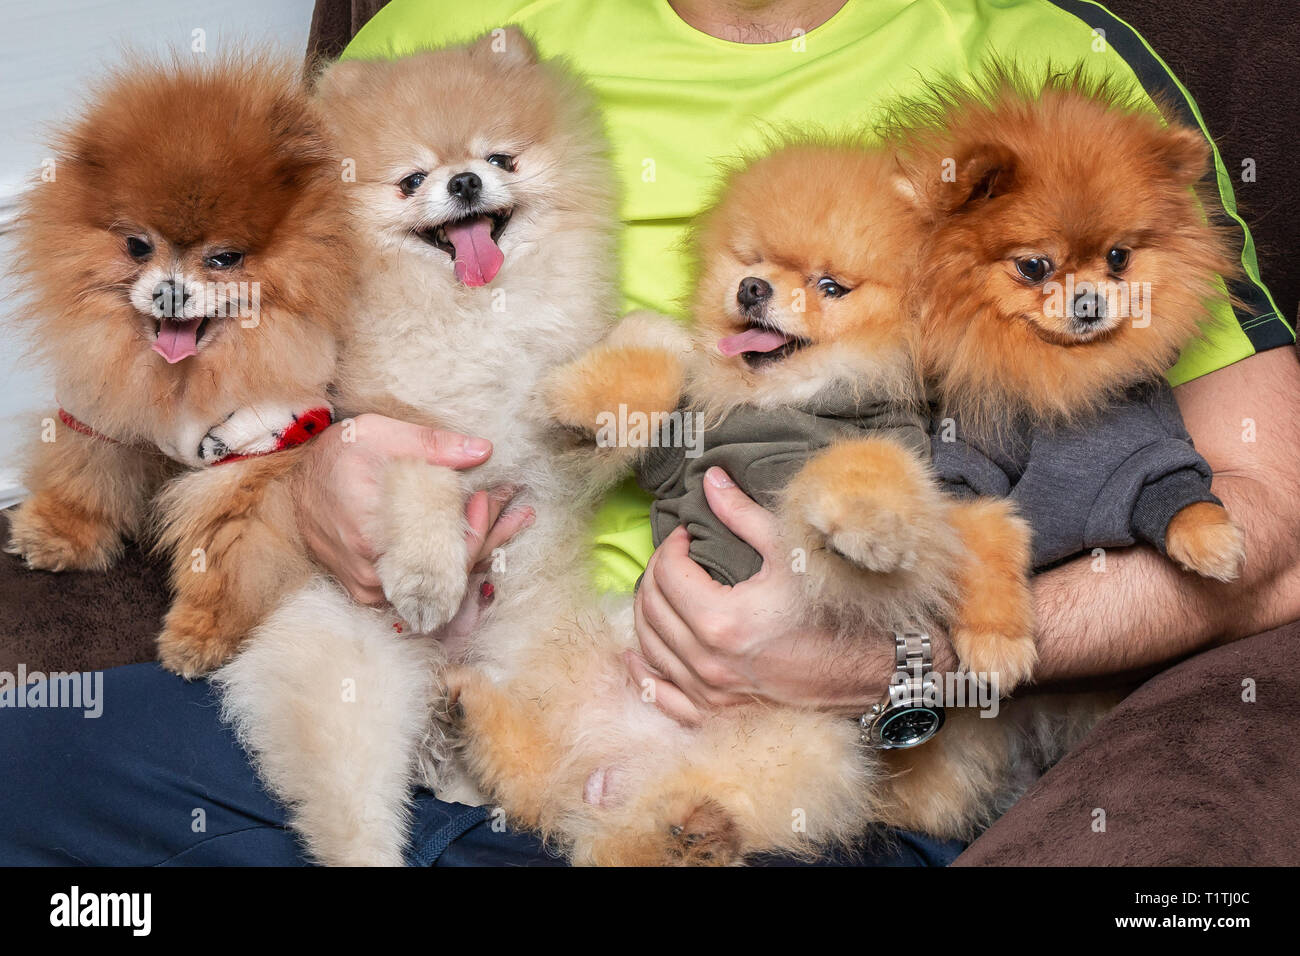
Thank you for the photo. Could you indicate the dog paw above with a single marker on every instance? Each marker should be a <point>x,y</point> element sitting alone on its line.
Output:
<point>703,835</point>
<point>865,534</point>
<point>424,598</point>
<point>423,559</point>
<point>212,448</point>
<point>688,831</point>
<point>425,591</point>
<point>1006,662</point>
<point>1202,538</point>
<point>50,537</point>
<point>869,501</point>
<point>189,656</point>
<point>644,380</point>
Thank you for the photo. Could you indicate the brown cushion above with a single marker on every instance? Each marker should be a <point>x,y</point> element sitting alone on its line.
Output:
<point>1186,771</point>
<point>79,620</point>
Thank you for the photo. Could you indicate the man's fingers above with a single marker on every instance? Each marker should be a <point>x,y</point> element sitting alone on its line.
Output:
<point>455,632</point>
<point>360,545</point>
<point>669,645</point>
<point>684,584</point>
<point>498,498</point>
<point>656,614</point>
<point>652,618</point>
<point>505,528</point>
<point>361,580</point>
<point>369,596</point>
<point>366,576</point>
<point>397,439</point>
<point>659,656</point>
<point>662,692</point>
<point>477,523</point>
<point>746,518</point>
<point>452,449</point>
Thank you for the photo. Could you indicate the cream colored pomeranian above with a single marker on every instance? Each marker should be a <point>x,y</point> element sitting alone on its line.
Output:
<point>485,200</point>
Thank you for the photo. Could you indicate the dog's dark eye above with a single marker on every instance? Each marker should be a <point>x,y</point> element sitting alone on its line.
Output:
<point>1035,268</point>
<point>830,288</point>
<point>138,248</point>
<point>502,161</point>
<point>224,260</point>
<point>411,183</point>
<point>1118,259</point>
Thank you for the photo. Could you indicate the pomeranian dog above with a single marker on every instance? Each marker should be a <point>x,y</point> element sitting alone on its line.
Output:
<point>803,368</point>
<point>1068,264</point>
<point>485,200</point>
<point>185,262</point>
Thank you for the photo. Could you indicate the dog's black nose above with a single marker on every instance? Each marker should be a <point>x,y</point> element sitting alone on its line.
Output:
<point>169,299</point>
<point>753,292</point>
<point>1088,307</point>
<point>465,186</point>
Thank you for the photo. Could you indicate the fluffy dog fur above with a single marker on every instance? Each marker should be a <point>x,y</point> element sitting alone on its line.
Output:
<point>443,338</point>
<point>1063,172</point>
<point>867,500</point>
<point>168,168</point>
<point>558,738</point>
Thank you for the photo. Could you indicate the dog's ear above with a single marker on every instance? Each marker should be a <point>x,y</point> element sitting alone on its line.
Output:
<point>939,186</point>
<point>301,141</point>
<point>81,148</point>
<point>511,44</point>
<point>906,187</point>
<point>979,173</point>
<point>1184,154</point>
<point>342,79</point>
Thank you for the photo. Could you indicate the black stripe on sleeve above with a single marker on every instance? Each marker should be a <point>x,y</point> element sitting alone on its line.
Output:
<point>1257,317</point>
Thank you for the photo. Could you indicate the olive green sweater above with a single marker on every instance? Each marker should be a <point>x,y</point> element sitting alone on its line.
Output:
<point>762,449</point>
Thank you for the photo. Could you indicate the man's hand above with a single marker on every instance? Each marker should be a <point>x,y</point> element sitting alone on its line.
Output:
<point>716,645</point>
<point>706,645</point>
<point>338,496</point>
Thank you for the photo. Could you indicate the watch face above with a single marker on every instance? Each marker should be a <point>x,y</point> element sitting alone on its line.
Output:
<point>909,726</point>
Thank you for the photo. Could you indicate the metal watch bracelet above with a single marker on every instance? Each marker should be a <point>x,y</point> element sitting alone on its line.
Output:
<point>913,682</point>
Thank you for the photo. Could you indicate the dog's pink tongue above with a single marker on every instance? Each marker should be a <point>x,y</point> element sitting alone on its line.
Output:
<point>177,339</point>
<point>752,340</point>
<point>477,257</point>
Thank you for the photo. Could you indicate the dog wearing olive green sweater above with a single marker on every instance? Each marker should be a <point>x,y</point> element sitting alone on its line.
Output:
<point>802,369</point>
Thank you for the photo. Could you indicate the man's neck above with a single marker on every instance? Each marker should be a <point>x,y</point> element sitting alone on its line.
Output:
<point>755,21</point>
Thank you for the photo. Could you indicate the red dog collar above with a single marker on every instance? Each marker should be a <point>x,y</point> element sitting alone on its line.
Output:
<point>79,426</point>
<point>305,427</point>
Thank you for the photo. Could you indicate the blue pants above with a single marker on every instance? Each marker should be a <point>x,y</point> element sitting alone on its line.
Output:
<point>159,780</point>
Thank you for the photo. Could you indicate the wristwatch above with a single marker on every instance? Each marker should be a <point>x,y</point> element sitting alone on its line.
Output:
<point>910,713</point>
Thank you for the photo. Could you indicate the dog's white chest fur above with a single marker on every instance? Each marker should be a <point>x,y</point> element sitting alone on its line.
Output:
<point>471,359</point>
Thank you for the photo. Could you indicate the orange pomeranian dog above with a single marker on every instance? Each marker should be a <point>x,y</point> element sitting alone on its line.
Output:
<point>802,368</point>
<point>1069,263</point>
<point>184,268</point>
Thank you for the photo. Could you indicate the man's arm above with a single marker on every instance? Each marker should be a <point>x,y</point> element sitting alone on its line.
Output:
<point>1142,610</point>
<point>706,645</point>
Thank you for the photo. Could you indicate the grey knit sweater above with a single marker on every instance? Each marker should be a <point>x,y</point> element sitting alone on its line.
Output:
<point>1113,480</point>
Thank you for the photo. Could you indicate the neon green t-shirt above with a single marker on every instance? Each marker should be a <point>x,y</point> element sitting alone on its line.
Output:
<point>678,102</point>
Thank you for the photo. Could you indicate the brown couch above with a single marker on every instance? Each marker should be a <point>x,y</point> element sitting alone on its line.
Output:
<point>1185,770</point>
